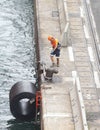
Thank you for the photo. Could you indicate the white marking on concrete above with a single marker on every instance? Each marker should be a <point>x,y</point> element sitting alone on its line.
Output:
<point>66,28</point>
<point>74,75</point>
<point>90,50</point>
<point>94,25</point>
<point>81,11</point>
<point>96,78</point>
<point>57,115</point>
<point>88,1</point>
<point>71,55</point>
<point>66,11</point>
<point>81,101</point>
<point>86,32</point>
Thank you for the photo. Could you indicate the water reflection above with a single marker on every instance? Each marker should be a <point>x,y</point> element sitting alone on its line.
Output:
<point>17,54</point>
<point>22,126</point>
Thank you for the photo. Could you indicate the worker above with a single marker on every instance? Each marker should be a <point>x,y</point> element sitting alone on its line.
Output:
<point>55,50</point>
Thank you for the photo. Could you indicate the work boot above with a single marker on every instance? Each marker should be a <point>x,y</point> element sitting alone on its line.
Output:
<point>57,65</point>
<point>53,64</point>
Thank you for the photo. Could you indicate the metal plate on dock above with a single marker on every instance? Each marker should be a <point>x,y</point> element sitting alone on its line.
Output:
<point>55,13</point>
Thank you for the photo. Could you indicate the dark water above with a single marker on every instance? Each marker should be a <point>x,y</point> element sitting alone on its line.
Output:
<point>17,55</point>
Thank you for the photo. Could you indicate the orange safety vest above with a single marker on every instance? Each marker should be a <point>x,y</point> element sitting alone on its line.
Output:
<point>54,43</point>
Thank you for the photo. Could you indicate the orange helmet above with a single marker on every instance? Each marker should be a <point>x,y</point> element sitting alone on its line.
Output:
<point>50,37</point>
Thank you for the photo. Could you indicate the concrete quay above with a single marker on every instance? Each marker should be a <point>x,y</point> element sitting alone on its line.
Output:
<point>70,101</point>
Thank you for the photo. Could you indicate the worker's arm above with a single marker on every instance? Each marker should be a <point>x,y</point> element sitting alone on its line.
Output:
<point>56,44</point>
<point>55,47</point>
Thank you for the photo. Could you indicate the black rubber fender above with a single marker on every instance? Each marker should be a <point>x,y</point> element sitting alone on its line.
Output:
<point>20,96</point>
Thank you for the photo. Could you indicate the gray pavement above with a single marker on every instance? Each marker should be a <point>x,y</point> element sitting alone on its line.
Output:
<point>58,110</point>
<point>56,106</point>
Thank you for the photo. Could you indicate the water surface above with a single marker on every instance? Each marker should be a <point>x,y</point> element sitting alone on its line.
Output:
<point>17,55</point>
